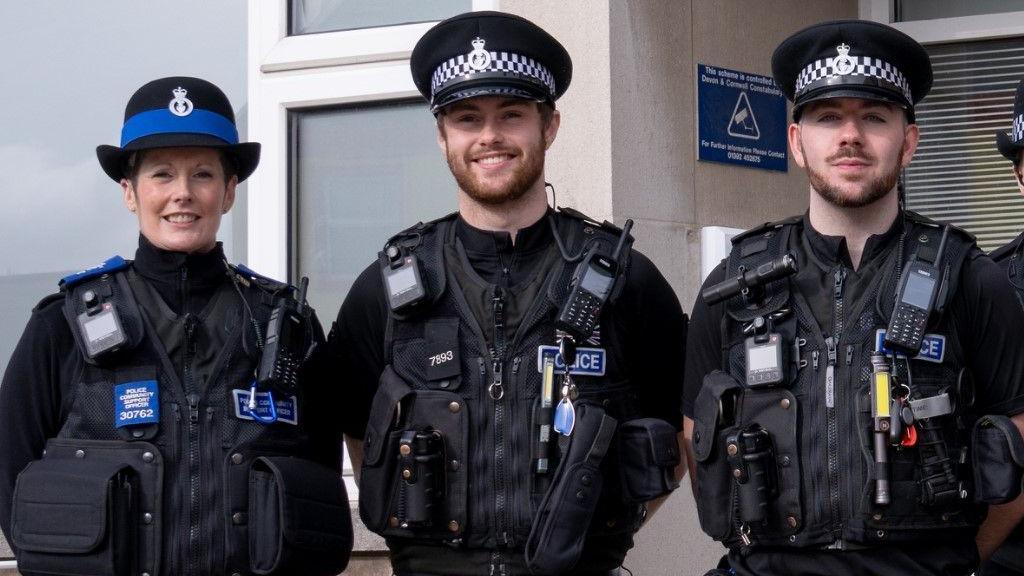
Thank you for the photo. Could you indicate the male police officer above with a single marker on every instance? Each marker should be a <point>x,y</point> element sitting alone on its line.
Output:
<point>179,436</point>
<point>827,411</point>
<point>1009,558</point>
<point>453,334</point>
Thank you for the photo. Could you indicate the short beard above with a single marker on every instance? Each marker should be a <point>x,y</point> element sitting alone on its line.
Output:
<point>522,180</point>
<point>875,190</point>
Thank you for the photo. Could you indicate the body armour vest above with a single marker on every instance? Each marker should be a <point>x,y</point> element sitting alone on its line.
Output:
<point>462,385</point>
<point>1008,257</point>
<point>162,438</point>
<point>796,459</point>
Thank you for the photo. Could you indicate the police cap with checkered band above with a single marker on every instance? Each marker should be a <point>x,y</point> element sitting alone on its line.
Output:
<point>852,59</point>
<point>489,54</point>
<point>1010,145</point>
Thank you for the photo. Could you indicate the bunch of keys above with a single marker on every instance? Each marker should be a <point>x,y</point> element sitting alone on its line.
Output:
<point>902,432</point>
<point>565,412</point>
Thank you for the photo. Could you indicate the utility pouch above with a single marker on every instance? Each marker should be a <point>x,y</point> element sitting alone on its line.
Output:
<point>299,519</point>
<point>75,517</point>
<point>998,458</point>
<point>560,527</point>
<point>648,456</point>
<point>714,418</point>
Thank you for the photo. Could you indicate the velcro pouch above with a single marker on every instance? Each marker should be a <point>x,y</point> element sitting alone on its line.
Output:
<point>74,516</point>
<point>998,460</point>
<point>560,527</point>
<point>299,518</point>
<point>648,456</point>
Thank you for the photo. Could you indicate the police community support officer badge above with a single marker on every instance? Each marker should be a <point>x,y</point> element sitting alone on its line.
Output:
<point>180,106</point>
<point>479,59</point>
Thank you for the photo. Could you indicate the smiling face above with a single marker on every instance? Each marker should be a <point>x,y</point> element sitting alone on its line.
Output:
<point>852,149</point>
<point>495,146</point>
<point>179,195</point>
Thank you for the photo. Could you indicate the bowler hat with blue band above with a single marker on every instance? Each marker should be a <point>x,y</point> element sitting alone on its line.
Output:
<point>489,54</point>
<point>179,111</point>
<point>1010,145</point>
<point>852,59</point>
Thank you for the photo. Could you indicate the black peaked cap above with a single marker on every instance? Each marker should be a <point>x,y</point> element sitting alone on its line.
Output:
<point>178,111</point>
<point>522,60</point>
<point>855,59</point>
<point>1010,145</point>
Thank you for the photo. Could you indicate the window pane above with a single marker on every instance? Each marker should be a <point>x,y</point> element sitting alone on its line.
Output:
<point>311,16</point>
<point>958,175</point>
<point>362,174</point>
<point>909,10</point>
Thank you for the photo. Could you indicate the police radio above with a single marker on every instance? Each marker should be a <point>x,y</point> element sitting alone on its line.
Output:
<point>100,325</point>
<point>403,279</point>
<point>915,301</point>
<point>286,344</point>
<point>592,284</point>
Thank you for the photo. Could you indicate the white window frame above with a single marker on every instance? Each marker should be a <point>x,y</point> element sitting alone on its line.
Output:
<point>962,28</point>
<point>288,73</point>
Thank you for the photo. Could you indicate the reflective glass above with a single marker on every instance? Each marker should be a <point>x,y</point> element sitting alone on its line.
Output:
<point>910,10</point>
<point>312,16</point>
<point>362,174</point>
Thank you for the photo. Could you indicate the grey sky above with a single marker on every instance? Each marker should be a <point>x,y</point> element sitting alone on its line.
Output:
<point>70,67</point>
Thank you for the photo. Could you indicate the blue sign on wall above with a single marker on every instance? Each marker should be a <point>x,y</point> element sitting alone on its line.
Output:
<point>741,119</point>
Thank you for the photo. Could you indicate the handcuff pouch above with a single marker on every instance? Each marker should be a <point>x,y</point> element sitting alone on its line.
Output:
<point>998,460</point>
<point>648,456</point>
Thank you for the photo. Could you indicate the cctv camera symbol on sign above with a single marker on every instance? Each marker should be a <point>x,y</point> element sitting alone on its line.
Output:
<point>742,123</point>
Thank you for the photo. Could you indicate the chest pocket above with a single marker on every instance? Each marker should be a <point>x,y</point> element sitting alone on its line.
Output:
<point>433,361</point>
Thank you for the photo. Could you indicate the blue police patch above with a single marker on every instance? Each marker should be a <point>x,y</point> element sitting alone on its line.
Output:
<point>136,403</point>
<point>589,361</point>
<point>109,265</point>
<point>933,346</point>
<point>287,408</point>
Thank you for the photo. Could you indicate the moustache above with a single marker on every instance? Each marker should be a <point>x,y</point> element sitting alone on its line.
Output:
<point>848,152</point>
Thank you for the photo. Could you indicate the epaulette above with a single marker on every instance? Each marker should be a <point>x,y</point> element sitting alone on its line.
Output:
<point>757,230</point>
<point>110,265</point>
<point>248,277</point>
<point>47,300</point>
<point>576,214</point>
<point>1006,250</point>
<point>420,228</point>
<point>926,221</point>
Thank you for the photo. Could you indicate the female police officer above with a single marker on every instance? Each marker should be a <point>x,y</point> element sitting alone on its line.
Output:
<point>168,391</point>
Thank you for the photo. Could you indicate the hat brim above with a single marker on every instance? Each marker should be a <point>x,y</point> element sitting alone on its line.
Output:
<point>246,155</point>
<point>490,85</point>
<point>1008,148</point>
<point>848,91</point>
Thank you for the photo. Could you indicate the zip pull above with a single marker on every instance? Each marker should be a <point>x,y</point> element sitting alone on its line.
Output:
<point>814,359</point>
<point>193,407</point>
<point>497,388</point>
<point>830,373</point>
<point>849,354</point>
<point>840,275</point>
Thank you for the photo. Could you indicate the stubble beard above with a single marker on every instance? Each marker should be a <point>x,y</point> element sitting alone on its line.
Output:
<point>873,191</point>
<point>522,180</point>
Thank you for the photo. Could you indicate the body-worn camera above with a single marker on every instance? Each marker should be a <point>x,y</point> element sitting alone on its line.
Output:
<point>403,279</point>
<point>421,464</point>
<point>100,326</point>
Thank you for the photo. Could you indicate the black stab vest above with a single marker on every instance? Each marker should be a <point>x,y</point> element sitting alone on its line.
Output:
<point>491,493</point>
<point>201,452</point>
<point>821,430</point>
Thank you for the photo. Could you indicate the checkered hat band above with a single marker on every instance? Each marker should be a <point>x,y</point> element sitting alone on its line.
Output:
<point>500,62</point>
<point>862,66</point>
<point>1018,128</point>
